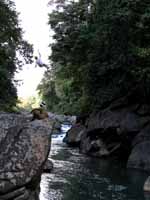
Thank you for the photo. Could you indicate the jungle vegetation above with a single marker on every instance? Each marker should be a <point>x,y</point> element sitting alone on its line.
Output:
<point>100,53</point>
<point>14,52</point>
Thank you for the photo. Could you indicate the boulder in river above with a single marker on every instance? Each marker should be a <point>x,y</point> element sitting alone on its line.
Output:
<point>122,129</point>
<point>146,187</point>
<point>139,157</point>
<point>102,142</point>
<point>73,136</point>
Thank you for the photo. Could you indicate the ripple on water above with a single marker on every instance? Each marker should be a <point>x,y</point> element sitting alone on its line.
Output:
<point>78,177</point>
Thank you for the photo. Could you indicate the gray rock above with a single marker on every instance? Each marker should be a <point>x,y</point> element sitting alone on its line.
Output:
<point>143,136</point>
<point>120,127</point>
<point>144,110</point>
<point>146,187</point>
<point>97,148</point>
<point>100,142</point>
<point>139,157</point>
<point>56,127</point>
<point>73,136</point>
<point>62,118</point>
<point>123,118</point>
<point>24,148</point>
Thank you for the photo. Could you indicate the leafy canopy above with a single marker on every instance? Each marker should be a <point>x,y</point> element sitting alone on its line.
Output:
<point>100,53</point>
<point>14,52</point>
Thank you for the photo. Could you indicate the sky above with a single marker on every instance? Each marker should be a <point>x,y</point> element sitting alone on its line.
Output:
<point>33,19</point>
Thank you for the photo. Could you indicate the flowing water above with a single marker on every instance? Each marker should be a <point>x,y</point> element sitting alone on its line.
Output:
<point>78,177</point>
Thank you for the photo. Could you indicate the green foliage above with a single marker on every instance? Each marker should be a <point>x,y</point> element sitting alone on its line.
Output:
<point>48,92</point>
<point>101,52</point>
<point>12,47</point>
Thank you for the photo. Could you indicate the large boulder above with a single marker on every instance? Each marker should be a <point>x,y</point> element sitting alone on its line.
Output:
<point>73,136</point>
<point>103,142</point>
<point>119,130</point>
<point>56,127</point>
<point>146,186</point>
<point>62,118</point>
<point>139,157</point>
<point>124,118</point>
<point>96,148</point>
<point>24,148</point>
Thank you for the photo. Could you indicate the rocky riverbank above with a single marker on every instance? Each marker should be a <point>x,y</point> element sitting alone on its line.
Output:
<point>120,130</point>
<point>24,147</point>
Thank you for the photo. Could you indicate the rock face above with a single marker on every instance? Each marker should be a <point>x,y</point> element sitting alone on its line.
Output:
<point>120,130</point>
<point>62,118</point>
<point>59,120</point>
<point>56,126</point>
<point>24,148</point>
<point>139,157</point>
<point>73,136</point>
<point>146,187</point>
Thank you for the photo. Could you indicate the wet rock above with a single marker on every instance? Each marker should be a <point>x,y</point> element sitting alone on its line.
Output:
<point>102,142</point>
<point>82,119</point>
<point>62,118</point>
<point>146,187</point>
<point>120,126</point>
<point>73,136</point>
<point>97,148</point>
<point>56,127</point>
<point>139,157</point>
<point>48,166</point>
<point>122,129</point>
<point>20,193</point>
<point>143,136</point>
<point>24,148</point>
<point>143,110</point>
<point>123,118</point>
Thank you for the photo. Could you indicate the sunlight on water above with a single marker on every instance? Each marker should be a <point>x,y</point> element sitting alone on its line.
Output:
<point>78,177</point>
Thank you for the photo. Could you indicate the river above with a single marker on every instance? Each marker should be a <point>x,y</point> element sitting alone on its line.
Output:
<point>77,177</point>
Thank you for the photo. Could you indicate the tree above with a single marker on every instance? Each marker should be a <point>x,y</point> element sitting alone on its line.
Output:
<point>14,51</point>
<point>48,92</point>
<point>69,22</point>
<point>116,62</point>
<point>101,52</point>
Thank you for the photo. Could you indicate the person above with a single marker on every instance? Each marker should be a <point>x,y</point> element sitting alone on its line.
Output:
<point>40,113</point>
<point>39,62</point>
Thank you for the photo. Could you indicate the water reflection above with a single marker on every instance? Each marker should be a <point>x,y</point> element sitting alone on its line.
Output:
<point>77,177</point>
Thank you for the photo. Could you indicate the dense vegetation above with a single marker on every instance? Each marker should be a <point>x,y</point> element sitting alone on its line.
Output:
<point>14,51</point>
<point>100,53</point>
